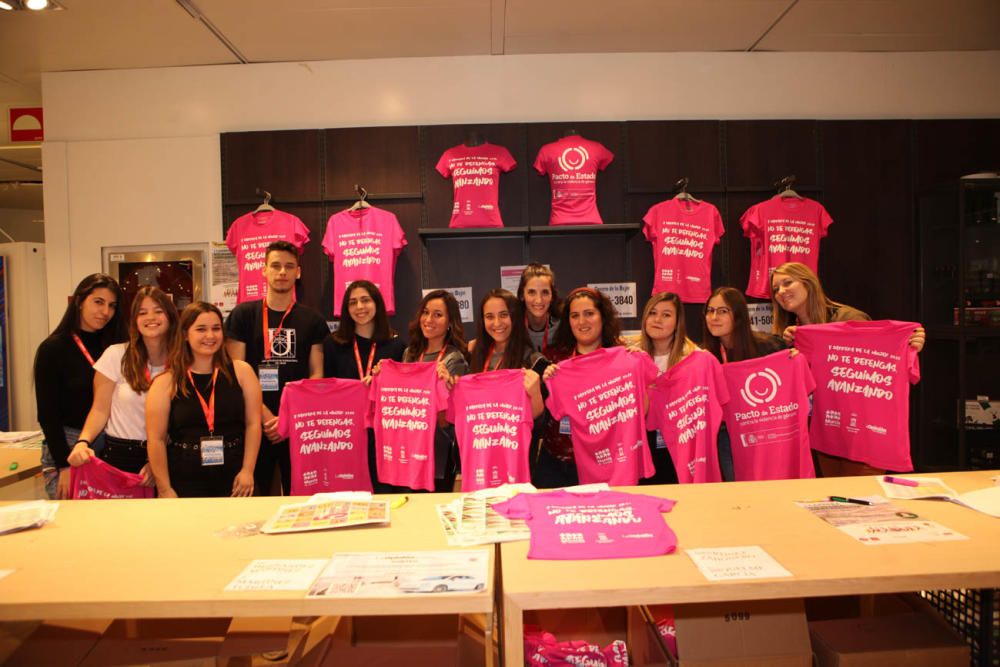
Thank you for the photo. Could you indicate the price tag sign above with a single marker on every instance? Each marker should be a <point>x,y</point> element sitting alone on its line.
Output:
<point>510,277</point>
<point>464,297</point>
<point>622,296</point>
<point>761,317</point>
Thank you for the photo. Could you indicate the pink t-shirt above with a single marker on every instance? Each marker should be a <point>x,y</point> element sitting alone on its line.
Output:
<point>759,277</point>
<point>767,417</point>
<point>685,406</point>
<point>790,230</point>
<point>572,164</point>
<point>861,408</point>
<point>683,235</point>
<point>492,417</point>
<point>603,394</point>
<point>406,400</point>
<point>475,173</point>
<point>583,526</point>
<point>248,238</point>
<point>326,424</point>
<point>363,245</point>
<point>97,480</point>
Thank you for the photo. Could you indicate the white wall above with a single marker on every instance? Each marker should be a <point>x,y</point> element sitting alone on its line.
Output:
<point>132,156</point>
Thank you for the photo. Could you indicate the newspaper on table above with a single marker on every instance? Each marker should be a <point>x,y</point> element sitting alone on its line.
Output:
<point>23,516</point>
<point>325,514</point>
<point>880,523</point>
<point>397,574</point>
<point>471,519</point>
<point>985,500</point>
<point>26,438</point>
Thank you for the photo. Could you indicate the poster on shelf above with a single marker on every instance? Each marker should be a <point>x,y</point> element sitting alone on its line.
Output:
<point>224,287</point>
<point>622,296</point>
<point>464,297</point>
<point>510,277</point>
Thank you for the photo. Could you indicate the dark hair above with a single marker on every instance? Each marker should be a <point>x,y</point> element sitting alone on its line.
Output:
<point>181,356</point>
<point>383,331</point>
<point>455,336</point>
<point>518,345</point>
<point>540,271</point>
<point>281,246</point>
<point>680,330</point>
<point>611,326</point>
<point>114,330</point>
<point>136,355</point>
<point>744,338</point>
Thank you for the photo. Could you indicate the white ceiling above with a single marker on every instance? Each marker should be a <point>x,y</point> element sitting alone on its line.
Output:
<point>117,34</point>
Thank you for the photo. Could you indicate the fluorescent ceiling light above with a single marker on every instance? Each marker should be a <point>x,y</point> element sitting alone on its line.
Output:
<point>5,5</point>
<point>37,4</point>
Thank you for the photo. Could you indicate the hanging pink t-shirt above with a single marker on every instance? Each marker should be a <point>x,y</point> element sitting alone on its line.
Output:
<point>685,406</point>
<point>325,421</point>
<point>475,173</point>
<point>406,400</point>
<point>861,408</point>
<point>683,234</point>
<point>571,164</point>
<point>583,526</point>
<point>248,238</point>
<point>97,480</point>
<point>790,230</point>
<point>603,394</point>
<point>759,280</point>
<point>767,417</point>
<point>363,244</point>
<point>492,417</point>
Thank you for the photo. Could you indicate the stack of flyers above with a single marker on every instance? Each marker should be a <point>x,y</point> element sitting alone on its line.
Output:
<point>471,520</point>
<point>23,516</point>
<point>324,514</point>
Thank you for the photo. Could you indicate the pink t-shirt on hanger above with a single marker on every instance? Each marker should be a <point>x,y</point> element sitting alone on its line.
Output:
<point>492,417</point>
<point>571,164</point>
<point>683,234</point>
<point>767,417</point>
<point>603,394</point>
<point>861,408</point>
<point>363,244</point>
<point>97,480</point>
<point>248,238</point>
<point>406,400</point>
<point>475,173</point>
<point>601,524</point>
<point>685,406</point>
<point>325,421</point>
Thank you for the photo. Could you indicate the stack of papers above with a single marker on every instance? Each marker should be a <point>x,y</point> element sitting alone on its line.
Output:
<point>471,519</point>
<point>23,516</point>
<point>985,500</point>
<point>324,514</point>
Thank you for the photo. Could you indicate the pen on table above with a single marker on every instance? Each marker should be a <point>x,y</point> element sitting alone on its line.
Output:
<point>900,481</point>
<point>398,502</point>
<point>845,499</point>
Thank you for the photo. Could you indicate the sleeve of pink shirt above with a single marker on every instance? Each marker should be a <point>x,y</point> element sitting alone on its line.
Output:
<point>912,364</point>
<point>721,388</point>
<point>553,403</point>
<point>824,220</point>
<point>540,162</point>
<point>750,221</point>
<point>720,229</point>
<point>515,508</point>
<point>646,369</point>
<point>232,237</point>
<point>441,393</point>
<point>649,224</point>
<point>506,161</point>
<point>442,165</point>
<point>806,372</point>
<point>330,238</point>
<point>605,158</point>
<point>283,416</point>
<point>453,398</point>
<point>301,234</point>
<point>398,238</point>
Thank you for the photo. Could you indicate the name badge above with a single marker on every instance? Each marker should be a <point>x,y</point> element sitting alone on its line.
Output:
<point>564,426</point>
<point>268,378</point>
<point>660,442</point>
<point>212,453</point>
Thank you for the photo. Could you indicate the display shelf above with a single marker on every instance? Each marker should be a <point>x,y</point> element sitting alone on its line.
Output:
<point>555,230</point>
<point>546,230</point>
<point>951,332</point>
<point>465,232</point>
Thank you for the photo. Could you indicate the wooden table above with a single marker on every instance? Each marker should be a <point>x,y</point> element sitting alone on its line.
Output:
<point>823,560</point>
<point>29,464</point>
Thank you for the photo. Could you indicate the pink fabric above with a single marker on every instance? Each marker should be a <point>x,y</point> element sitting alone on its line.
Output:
<point>571,164</point>
<point>248,238</point>
<point>542,649</point>
<point>759,275</point>
<point>363,245</point>
<point>685,406</point>
<point>603,394</point>
<point>585,526</point>
<point>861,408</point>
<point>790,230</point>
<point>492,417</point>
<point>97,480</point>
<point>767,417</point>
<point>475,173</point>
<point>326,424</point>
<point>406,400</point>
<point>683,235</point>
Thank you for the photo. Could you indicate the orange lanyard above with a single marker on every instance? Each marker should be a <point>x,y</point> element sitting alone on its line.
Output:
<point>79,344</point>
<point>440,353</point>
<point>277,332</point>
<point>725,357</point>
<point>486,366</point>
<point>364,372</point>
<point>207,408</point>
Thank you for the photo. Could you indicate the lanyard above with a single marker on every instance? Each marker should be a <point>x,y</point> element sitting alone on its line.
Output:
<point>277,332</point>
<point>545,336</point>
<point>83,348</point>
<point>207,408</point>
<point>364,372</point>
<point>486,366</point>
<point>440,353</point>
<point>725,357</point>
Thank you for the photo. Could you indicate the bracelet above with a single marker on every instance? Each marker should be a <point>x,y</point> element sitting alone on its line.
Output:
<point>82,440</point>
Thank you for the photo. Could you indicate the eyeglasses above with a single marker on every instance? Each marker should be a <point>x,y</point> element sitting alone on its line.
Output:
<point>722,311</point>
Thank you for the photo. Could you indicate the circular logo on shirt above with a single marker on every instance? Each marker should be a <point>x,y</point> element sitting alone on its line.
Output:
<point>761,388</point>
<point>573,158</point>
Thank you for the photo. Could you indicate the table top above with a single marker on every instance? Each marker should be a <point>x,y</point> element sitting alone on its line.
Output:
<point>162,558</point>
<point>822,559</point>
<point>29,463</point>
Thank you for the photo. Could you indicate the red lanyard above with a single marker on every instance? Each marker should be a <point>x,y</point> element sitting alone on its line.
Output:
<point>364,372</point>
<point>79,344</point>
<point>725,357</point>
<point>486,366</point>
<point>545,336</point>
<point>207,408</point>
<point>277,332</point>
<point>440,353</point>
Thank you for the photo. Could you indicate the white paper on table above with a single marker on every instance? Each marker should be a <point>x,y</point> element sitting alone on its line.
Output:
<point>32,514</point>
<point>929,487</point>
<point>340,495</point>
<point>729,563</point>
<point>403,573</point>
<point>278,575</point>
<point>18,436</point>
<point>907,531</point>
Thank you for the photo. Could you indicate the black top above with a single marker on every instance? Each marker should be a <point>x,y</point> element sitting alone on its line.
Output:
<point>64,387</point>
<point>187,418</point>
<point>303,328</point>
<point>339,361</point>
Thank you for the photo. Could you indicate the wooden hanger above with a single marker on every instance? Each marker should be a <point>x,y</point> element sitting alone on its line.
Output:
<point>362,199</point>
<point>784,187</point>
<point>266,205</point>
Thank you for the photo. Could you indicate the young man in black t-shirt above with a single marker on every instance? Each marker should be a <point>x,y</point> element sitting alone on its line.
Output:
<point>290,349</point>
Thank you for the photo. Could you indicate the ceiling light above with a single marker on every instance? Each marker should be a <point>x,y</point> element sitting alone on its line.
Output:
<point>37,5</point>
<point>6,6</point>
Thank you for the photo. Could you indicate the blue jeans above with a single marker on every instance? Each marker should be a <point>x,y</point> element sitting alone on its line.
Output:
<point>50,474</point>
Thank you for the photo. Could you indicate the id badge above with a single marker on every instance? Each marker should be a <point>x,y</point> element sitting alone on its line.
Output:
<point>212,451</point>
<point>564,426</point>
<point>660,442</point>
<point>268,378</point>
